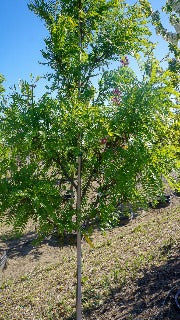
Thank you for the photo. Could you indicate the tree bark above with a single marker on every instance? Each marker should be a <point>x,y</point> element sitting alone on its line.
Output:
<point>79,253</point>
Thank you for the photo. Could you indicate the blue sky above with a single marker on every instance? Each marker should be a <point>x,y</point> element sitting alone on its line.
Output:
<point>22,35</point>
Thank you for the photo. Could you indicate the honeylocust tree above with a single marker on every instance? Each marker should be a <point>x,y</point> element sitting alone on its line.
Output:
<point>70,158</point>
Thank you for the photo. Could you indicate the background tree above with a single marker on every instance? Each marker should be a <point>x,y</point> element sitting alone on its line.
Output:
<point>172,8</point>
<point>1,81</point>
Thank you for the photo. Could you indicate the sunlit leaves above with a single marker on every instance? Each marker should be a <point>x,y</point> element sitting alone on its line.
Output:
<point>109,29</point>
<point>1,86</point>
<point>123,127</point>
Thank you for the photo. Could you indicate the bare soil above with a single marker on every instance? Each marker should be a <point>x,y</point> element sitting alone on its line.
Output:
<point>132,274</point>
<point>149,297</point>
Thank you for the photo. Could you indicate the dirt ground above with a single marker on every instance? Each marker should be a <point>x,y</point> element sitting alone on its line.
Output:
<point>148,297</point>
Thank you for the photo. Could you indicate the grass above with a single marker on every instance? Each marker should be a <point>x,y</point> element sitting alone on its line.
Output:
<point>120,255</point>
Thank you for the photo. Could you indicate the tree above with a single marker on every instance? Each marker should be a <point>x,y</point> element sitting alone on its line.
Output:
<point>172,9</point>
<point>119,132</point>
<point>1,86</point>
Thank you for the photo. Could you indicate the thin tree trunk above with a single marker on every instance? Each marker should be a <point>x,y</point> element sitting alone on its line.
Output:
<point>79,253</point>
<point>79,298</point>
<point>79,295</point>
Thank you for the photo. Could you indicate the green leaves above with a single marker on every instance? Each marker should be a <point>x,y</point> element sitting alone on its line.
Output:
<point>124,128</point>
<point>1,81</point>
<point>40,144</point>
<point>108,29</point>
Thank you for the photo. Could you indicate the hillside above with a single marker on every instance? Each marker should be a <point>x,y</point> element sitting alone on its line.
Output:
<point>131,274</point>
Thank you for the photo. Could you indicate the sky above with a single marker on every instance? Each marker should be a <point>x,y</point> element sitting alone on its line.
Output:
<point>21,39</point>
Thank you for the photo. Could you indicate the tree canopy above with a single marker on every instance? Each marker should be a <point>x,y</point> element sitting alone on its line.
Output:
<point>122,127</point>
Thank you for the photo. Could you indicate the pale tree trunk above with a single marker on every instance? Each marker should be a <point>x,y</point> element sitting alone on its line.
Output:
<point>79,253</point>
<point>78,298</point>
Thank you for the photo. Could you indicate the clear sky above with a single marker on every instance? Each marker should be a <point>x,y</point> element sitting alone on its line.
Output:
<point>21,39</point>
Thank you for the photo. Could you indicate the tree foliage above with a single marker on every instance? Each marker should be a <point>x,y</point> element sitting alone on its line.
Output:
<point>172,9</point>
<point>122,127</point>
<point>1,82</point>
<point>108,29</point>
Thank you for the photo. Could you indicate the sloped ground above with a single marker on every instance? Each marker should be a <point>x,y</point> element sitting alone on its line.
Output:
<point>131,274</point>
<point>150,296</point>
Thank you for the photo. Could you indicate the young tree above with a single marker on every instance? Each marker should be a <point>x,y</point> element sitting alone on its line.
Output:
<point>67,162</point>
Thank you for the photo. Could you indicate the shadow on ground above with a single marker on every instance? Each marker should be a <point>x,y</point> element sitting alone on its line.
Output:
<point>22,245</point>
<point>150,297</point>
<point>17,245</point>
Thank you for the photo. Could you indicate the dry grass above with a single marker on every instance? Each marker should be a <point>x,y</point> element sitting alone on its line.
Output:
<point>39,283</point>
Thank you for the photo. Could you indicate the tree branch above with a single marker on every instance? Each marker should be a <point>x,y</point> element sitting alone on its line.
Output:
<point>93,171</point>
<point>60,163</point>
